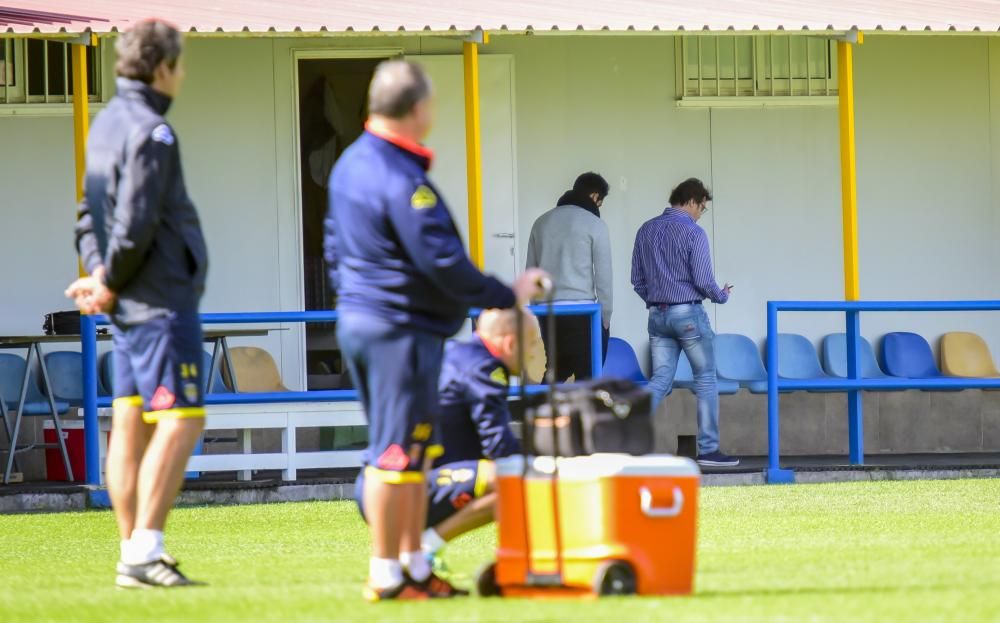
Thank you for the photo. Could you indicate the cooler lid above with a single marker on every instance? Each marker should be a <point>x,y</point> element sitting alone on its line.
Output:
<point>602,466</point>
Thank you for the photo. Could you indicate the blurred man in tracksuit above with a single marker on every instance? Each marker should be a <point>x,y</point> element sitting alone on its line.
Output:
<point>474,424</point>
<point>140,239</point>
<point>404,284</point>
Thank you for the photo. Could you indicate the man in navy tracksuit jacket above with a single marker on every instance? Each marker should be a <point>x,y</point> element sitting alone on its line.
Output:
<point>404,284</point>
<point>140,240</point>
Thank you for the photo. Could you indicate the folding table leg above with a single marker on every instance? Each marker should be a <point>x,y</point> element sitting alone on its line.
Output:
<point>13,448</point>
<point>214,365</point>
<point>52,406</point>
<point>20,414</point>
<point>229,364</point>
<point>5,415</point>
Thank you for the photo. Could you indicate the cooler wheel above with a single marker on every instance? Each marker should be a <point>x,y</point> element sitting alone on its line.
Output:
<point>615,577</point>
<point>486,581</point>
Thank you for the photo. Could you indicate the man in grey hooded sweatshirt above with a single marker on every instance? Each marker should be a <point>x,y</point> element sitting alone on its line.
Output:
<point>572,244</point>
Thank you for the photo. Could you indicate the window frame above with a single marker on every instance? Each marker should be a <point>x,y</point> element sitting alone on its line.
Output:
<point>761,82</point>
<point>16,98</point>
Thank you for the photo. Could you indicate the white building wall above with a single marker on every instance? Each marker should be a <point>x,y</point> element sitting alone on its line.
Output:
<point>928,215</point>
<point>928,140</point>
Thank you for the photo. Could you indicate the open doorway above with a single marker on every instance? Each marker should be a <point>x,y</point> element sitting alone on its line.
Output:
<point>332,111</point>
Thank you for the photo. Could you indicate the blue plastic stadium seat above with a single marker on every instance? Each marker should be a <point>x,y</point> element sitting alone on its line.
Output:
<point>11,373</point>
<point>908,355</point>
<point>66,375</point>
<point>835,357</point>
<point>684,378</point>
<point>737,359</point>
<point>105,375</point>
<point>622,362</point>
<point>797,359</point>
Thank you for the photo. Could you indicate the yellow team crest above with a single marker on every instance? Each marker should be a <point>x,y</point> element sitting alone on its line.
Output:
<point>191,392</point>
<point>499,376</point>
<point>423,198</point>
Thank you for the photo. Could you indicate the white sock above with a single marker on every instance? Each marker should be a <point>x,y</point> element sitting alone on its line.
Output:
<point>124,548</point>
<point>416,565</point>
<point>144,546</point>
<point>384,572</point>
<point>431,542</point>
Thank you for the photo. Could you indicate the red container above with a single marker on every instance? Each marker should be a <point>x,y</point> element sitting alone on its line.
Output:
<point>72,431</point>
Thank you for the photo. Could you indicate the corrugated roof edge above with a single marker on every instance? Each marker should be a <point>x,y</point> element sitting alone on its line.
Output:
<point>504,29</point>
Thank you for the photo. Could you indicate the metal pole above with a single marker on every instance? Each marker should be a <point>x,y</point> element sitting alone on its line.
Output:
<point>855,419</point>
<point>473,150</point>
<point>81,114</point>
<point>773,444</point>
<point>848,168</point>
<point>774,473</point>
<point>849,208</point>
<point>88,326</point>
<point>91,432</point>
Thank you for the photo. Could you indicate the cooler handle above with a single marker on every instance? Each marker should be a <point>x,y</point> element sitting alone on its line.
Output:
<point>646,503</point>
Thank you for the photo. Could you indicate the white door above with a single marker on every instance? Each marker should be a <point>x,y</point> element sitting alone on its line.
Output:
<point>447,139</point>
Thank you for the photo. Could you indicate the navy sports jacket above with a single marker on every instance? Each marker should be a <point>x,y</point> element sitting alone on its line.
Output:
<point>390,243</point>
<point>136,218</point>
<point>473,421</point>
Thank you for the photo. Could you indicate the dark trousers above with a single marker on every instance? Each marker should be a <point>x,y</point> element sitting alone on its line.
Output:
<point>572,346</point>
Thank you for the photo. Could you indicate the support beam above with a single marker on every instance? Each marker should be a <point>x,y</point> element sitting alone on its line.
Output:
<point>849,205</point>
<point>81,112</point>
<point>848,168</point>
<point>88,329</point>
<point>473,149</point>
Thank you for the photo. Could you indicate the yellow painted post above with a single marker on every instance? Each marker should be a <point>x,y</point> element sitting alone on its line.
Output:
<point>848,168</point>
<point>81,117</point>
<point>473,149</point>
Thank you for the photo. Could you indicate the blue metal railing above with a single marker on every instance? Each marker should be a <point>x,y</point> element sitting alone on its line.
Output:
<point>853,384</point>
<point>88,331</point>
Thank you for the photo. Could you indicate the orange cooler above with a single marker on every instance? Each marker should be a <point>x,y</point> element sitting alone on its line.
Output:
<point>602,524</point>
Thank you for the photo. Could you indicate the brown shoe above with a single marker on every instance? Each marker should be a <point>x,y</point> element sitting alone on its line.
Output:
<point>439,588</point>
<point>406,590</point>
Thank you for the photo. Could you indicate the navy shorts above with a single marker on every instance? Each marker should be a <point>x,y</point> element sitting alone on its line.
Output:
<point>395,370</point>
<point>449,488</point>
<point>157,364</point>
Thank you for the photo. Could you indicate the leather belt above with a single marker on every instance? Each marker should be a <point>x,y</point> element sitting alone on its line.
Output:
<point>665,306</point>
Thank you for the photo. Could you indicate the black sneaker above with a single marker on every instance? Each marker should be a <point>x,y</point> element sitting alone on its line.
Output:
<point>157,573</point>
<point>717,459</point>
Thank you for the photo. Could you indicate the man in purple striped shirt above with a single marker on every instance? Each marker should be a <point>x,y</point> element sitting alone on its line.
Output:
<point>672,273</point>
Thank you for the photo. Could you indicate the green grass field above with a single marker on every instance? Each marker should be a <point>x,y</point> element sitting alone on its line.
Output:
<point>887,551</point>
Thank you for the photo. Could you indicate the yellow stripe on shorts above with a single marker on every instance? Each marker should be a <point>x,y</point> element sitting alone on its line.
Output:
<point>394,478</point>
<point>479,489</point>
<point>152,417</point>
<point>126,401</point>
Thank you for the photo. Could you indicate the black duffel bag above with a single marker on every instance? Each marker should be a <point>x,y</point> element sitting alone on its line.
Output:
<point>601,415</point>
<point>62,323</point>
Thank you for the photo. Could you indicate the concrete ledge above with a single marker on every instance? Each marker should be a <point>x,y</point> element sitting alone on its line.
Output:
<point>83,498</point>
<point>851,475</point>
<point>43,502</point>
<point>281,493</point>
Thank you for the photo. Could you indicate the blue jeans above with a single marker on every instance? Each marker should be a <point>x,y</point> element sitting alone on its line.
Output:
<point>686,327</point>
